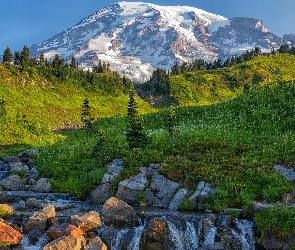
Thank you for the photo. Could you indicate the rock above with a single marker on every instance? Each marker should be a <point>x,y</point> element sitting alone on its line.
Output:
<point>214,246</point>
<point>270,241</point>
<point>39,219</point>
<point>87,222</point>
<point>203,190</point>
<point>288,173</point>
<point>10,159</point>
<point>33,202</point>
<point>155,235</point>
<point>115,167</point>
<point>12,182</point>
<point>96,244</point>
<point>34,235</point>
<point>179,196</point>
<point>18,167</point>
<point>161,191</point>
<point>118,213</point>
<point>9,236</point>
<point>101,193</point>
<point>128,190</point>
<point>63,229</point>
<point>257,206</point>
<point>27,153</point>
<point>6,210</point>
<point>42,186</point>
<point>6,198</point>
<point>235,211</point>
<point>67,243</point>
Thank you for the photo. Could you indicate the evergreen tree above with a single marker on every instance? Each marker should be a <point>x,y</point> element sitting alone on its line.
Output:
<point>25,58</point>
<point>100,150</point>
<point>42,60</point>
<point>16,58</point>
<point>7,56</point>
<point>85,115</point>
<point>136,138</point>
<point>171,122</point>
<point>73,63</point>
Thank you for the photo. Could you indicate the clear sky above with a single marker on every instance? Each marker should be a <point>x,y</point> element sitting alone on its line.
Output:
<point>25,22</point>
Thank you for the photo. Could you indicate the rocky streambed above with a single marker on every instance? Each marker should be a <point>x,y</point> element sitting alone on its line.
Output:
<point>35,218</point>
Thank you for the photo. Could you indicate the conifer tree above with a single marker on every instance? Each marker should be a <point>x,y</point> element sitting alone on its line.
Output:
<point>136,137</point>
<point>100,150</point>
<point>7,56</point>
<point>73,63</point>
<point>85,115</point>
<point>16,58</point>
<point>42,60</point>
<point>25,58</point>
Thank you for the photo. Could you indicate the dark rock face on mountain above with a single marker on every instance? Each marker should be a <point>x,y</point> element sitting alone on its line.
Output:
<point>290,38</point>
<point>134,38</point>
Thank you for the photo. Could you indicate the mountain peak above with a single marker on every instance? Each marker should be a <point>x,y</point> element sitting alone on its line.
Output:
<point>136,37</point>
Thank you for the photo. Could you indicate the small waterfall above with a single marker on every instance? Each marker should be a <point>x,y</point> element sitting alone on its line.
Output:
<point>42,241</point>
<point>242,234</point>
<point>175,236</point>
<point>135,242</point>
<point>117,242</point>
<point>191,238</point>
<point>210,237</point>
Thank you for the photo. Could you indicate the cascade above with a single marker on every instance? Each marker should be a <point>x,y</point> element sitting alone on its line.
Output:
<point>42,241</point>
<point>210,237</point>
<point>191,237</point>
<point>134,244</point>
<point>117,242</point>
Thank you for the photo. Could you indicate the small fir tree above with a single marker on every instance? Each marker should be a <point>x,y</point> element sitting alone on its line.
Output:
<point>7,56</point>
<point>16,58</point>
<point>25,58</point>
<point>136,138</point>
<point>73,64</point>
<point>171,122</point>
<point>42,60</point>
<point>85,115</point>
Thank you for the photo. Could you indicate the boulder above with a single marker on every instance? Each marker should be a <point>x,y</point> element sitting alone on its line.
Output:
<point>155,235</point>
<point>96,244</point>
<point>288,173</point>
<point>63,229</point>
<point>10,159</point>
<point>128,190</point>
<point>161,191</point>
<point>257,206</point>
<point>214,246</point>
<point>42,186</point>
<point>118,213</point>
<point>39,219</point>
<point>27,153</point>
<point>115,167</point>
<point>179,196</point>
<point>203,190</point>
<point>34,235</point>
<point>9,236</point>
<point>87,222</point>
<point>67,243</point>
<point>33,202</point>
<point>101,193</point>
<point>12,182</point>
<point>6,210</point>
<point>18,167</point>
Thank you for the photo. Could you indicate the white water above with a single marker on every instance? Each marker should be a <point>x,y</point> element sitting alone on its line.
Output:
<point>175,236</point>
<point>135,242</point>
<point>117,242</point>
<point>191,237</point>
<point>25,243</point>
<point>210,237</point>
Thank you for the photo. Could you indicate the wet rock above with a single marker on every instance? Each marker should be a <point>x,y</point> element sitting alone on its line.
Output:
<point>118,213</point>
<point>63,229</point>
<point>288,173</point>
<point>155,235</point>
<point>87,222</point>
<point>179,196</point>
<point>34,235</point>
<point>67,243</point>
<point>6,210</point>
<point>203,190</point>
<point>96,244</point>
<point>214,246</point>
<point>161,191</point>
<point>107,235</point>
<point>12,182</point>
<point>128,190</point>
<point>39,219</point>
<point>9,236</point>
<point>42,186</point>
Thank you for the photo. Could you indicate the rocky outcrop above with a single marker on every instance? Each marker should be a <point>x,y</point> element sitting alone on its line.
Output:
<point>179,196</point>
<point>67,243</point>
<point>87,222</point>
<point>39,219</point>
<point>63,229</point>
<point>9,236</point>
<point>155,235</point>
<point>118,213</point>
<point>197,200</point>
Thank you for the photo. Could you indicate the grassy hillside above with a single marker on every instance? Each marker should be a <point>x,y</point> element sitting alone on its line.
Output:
<point>205,87</point>
<point>34,103</point>
<point>232,145</point>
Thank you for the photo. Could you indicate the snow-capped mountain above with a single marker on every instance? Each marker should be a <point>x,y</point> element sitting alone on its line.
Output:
<point>135,37</point>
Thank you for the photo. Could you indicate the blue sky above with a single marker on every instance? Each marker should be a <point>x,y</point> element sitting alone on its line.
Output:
<point>25,22</point>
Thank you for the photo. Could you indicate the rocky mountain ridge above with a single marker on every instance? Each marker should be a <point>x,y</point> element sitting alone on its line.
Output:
<point>135,37</point>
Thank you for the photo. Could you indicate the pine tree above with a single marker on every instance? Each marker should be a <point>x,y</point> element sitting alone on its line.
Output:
<point>42,60</point>
<point>73,63</point>
<point>16,58</point>
<point>85,115</point>
<point>7,56</point>
<point>136,138</point>
<point>25,58</point>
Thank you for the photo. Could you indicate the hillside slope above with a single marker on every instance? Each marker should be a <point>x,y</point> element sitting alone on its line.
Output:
<point>34,104</point>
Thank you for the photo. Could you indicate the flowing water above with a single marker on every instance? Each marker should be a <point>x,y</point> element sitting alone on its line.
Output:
<point>26,245</point>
